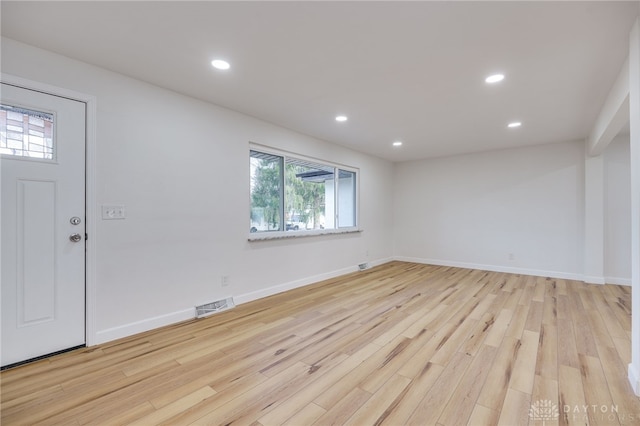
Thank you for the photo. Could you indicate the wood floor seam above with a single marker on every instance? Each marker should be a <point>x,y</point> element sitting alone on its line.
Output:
<point>397,344</point>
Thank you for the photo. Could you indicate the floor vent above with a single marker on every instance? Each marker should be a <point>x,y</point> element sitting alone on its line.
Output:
<point>214,307</point>
<point>363,266</point>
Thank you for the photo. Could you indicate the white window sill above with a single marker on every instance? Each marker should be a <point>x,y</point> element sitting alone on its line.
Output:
<point>278,235</point>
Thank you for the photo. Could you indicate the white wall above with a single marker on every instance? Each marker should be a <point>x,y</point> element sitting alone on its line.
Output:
<point>475,210</point>
<point>634,138</point>
<point>617,212</point>
<point>181,168</point>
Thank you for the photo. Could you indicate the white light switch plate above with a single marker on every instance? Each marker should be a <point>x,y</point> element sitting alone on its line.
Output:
<point>112,212</point>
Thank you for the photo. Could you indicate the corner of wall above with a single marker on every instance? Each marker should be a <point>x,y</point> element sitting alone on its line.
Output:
<point>594,279</point>
<point>634,379</point>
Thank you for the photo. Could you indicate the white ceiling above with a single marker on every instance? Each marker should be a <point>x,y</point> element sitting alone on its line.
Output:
<point>410,71</point>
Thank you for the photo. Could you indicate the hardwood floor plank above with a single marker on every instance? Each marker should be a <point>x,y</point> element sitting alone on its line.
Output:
<point>547,355</point>
<point>599,330</point>
<point>596,391</point>
<point>176,407</point>
<point>527,293</point>
<point>36,397</point>
<point>305,348</point>
<point>585,342</point>
<point>550,309</point>
<point>132,391</point>
<point>22,407</point>
<point>513,298</point>
<point>563,309</point>
<point>46,373</point>
<point>288,391</point>
<point>254,399</point>
<point>515,410</point>
<point>429,409</point>
<point>499,328</point>
<point>232,391</point>
<point>309,414</point>
<point>478,334</point>
<point>524,368</point>
<point>518,321</point>
<point>571,393</point>
<point>403,350</point>
<point>303,398</point>
<point>377,408</point>
<point>88,398</point>
<point>616,372</point>
<point>419,360</point>
<point>398,329</point>
<point>401,343</point>
<point>461,314</point>
<point>428,315</point>
<point>126,417</point>
<point>369,373</point>
<point>482,307</point>
<point>497,382</point>
<point>413,394</point>
<point>567,350</point>
<point>450,343</point>
<point>174,393</point>
<point>345,408</point>
<point>545,390</point>
<point>620,303</point>
<point>606,311</point>
<point>482,415</point>
<point>623,346</point>
<point>534,317</point>
<point>461,403</point>
<point>541,285</point>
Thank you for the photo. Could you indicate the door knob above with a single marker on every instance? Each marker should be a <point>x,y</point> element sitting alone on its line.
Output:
<point>75,237</point>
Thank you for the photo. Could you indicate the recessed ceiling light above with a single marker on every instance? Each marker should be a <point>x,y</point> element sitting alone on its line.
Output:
<point>341,118</point>
<point>495,78</point>
<point>514,124</point>
<point>397,143</point>
<point>220,64</point>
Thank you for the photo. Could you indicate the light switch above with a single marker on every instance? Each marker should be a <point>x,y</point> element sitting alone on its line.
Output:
<point>112,212</point>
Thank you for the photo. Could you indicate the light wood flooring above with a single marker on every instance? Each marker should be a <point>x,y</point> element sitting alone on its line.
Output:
<point>398,344</point>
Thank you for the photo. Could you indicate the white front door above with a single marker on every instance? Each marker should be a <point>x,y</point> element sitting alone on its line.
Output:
<point>42,166</point>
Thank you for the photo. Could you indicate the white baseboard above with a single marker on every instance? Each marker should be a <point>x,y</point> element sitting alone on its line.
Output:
<point>618,281</point>
<point>380,262</point>
<point>141,326</point>
<point>494,268</point>
<point>522,271</point>
<point>593,280</point>
<point>126,330</point>
<point>634,379</point>
<point>270,291</point>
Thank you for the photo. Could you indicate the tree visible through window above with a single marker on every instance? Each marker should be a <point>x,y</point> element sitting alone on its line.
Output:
<point>266,192</point>
<point>293,194</point>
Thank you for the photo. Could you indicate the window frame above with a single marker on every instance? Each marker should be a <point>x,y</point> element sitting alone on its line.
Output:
<point>54,128</point>
<point>282,232</point>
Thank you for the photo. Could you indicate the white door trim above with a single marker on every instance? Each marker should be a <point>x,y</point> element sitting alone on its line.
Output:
<point>90,185</point>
